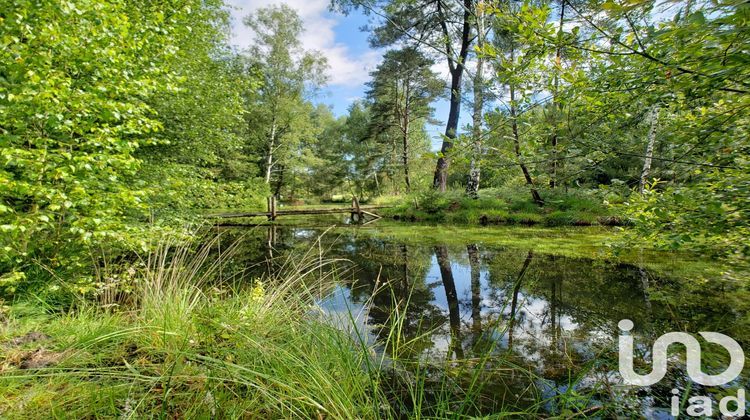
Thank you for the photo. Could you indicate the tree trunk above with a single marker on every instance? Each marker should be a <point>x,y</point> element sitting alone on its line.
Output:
<point>556,105</point>
<point>440,180</point>
<point>449,284</point>
<point>649,148</point>
<point>405,133</point>
<point>688,6</point>
<point>279,183</point>
<point>269,158</point>
<point>406,162</point>
<point>472,184</point>
<point>517,145</point>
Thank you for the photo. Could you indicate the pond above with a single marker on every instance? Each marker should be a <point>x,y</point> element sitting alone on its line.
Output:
<point>525,324</point>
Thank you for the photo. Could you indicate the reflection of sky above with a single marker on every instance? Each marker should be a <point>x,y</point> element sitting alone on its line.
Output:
<point>304,233</point>
<point>532,333</point>
<point>533,315</point>
<point>534,342</point>
<point>340,310</point>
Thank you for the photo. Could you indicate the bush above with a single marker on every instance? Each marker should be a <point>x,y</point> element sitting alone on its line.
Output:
<point>559,218</point>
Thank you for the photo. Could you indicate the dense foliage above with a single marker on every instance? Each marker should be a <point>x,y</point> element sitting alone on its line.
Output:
<point>123,119</point>
<point>127,125</point>
<point>114,115</point>
<point>642,103</point>
<point>76,78</point>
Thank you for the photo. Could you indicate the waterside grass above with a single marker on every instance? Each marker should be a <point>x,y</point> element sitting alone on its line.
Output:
<point>501,207</point>
<point>184,345</point>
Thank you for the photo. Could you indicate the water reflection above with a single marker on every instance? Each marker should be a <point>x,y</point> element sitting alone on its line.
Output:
<point>517,295</point>
<point>549,314</point>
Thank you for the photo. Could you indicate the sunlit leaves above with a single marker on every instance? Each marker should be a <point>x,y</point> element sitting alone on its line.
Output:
<point>75,83</point>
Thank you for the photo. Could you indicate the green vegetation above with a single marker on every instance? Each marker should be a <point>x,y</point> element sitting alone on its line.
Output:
<point>124,122</point>
<point>143,118</point>
<point>499,207</point>
<point>183,338</point>
<point>182,341</point>
<point>595,243</point>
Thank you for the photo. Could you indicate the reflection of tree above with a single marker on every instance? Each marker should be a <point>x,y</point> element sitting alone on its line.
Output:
<point>564,309</point>
<point>476,289</point>
<point>558,310</point>
<point>454,316</point>
<point>545,304</point>
<point>555,295</point>
<point>250,255</point>
<point>392,280</point>
<point>595,298</point>
<point>270,247</point>
<point>554,354</point>
<point>514,300</point>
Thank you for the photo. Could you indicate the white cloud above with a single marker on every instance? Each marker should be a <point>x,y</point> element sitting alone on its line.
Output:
<point>347,68</point>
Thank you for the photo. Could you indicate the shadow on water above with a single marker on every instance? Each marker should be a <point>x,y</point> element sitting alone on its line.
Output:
<point>532,330</point>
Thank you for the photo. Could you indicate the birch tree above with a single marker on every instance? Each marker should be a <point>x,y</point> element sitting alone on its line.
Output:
<point>290,76</point>
<point>479,87</point>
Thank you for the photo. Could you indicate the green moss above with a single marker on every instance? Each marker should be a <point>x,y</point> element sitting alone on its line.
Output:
<point>596,242</point>
<point>502,207</point>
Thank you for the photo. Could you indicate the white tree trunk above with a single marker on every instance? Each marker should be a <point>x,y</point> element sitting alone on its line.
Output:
<point>269,159</point>
<point>649,148</point>
<point>472,184</point>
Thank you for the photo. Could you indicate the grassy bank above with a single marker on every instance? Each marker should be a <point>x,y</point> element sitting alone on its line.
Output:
<point>599,243</point>
<point>182,344</point>
<point>502,207</point>
<point>228,359</point>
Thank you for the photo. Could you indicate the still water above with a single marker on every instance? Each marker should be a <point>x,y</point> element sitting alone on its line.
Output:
<point>534,330</point>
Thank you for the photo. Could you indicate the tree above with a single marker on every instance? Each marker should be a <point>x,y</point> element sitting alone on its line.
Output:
<point>401,90</point>
<point>558,42</point>
<point>516,69</point>
<point>438,26</point>
<point>76,80</point>
<point>279,114</point>
<point>363,161</point>
<point>200,160</point>
<point>321,169</point>
<point>653,124</point>
<point>693,64</point>
<point>479,88</point>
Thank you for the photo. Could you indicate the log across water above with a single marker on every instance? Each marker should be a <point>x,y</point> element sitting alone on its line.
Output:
<point>272,213</point>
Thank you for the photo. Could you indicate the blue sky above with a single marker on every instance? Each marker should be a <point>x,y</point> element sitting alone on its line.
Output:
<point>340,39</point>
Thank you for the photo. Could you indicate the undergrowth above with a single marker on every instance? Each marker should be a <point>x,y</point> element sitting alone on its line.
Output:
<point>502,206</point>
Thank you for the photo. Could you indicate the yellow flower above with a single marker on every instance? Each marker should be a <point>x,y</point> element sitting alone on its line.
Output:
<point>258,293</point>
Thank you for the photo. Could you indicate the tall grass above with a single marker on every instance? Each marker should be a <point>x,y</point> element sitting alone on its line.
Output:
<point>187,345</point>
